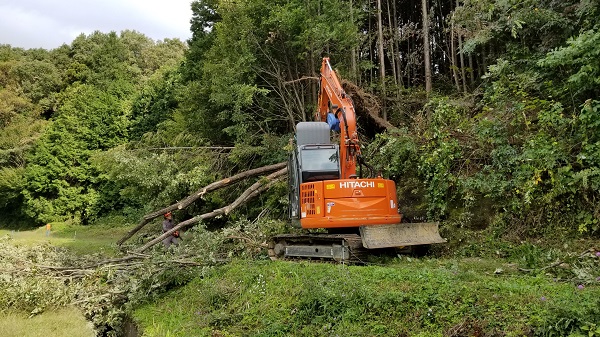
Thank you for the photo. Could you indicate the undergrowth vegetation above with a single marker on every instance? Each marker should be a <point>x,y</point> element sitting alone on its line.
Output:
<point>41,274</point>
<point>523,170</point>
<point>404,297</point>
<point>221,282</point>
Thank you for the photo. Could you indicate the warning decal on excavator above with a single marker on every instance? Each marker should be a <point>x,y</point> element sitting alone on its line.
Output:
<point>330,186</point>
<point>381,185</point>
<point>329,205</point>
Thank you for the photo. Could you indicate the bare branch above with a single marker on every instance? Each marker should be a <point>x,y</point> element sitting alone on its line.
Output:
<point>302,79</point>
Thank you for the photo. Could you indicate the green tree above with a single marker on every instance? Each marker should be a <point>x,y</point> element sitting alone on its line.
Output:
<point>60,179</point>
<point>155,102</point>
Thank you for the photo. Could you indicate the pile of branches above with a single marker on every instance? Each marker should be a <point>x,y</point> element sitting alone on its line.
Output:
<point>34,279</point>
<point>251,192</point>
<point>44,277</point>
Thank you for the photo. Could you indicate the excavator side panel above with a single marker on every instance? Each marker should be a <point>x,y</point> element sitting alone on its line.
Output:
<point>347,203</point>
<point>369,204</point>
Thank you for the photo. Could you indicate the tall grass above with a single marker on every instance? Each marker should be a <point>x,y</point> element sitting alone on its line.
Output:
<point>79,239</point>
<point>407,298</point>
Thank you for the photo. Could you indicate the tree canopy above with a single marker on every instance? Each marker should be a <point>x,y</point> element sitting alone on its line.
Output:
<point>507,136</point>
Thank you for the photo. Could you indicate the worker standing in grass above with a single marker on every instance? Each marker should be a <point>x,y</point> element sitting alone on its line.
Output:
<point>166,226</point>
<point>48,229</point>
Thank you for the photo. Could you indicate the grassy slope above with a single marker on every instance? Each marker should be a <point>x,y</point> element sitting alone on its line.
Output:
<point>405,298</point>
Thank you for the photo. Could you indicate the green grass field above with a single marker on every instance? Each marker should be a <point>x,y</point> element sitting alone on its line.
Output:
<point>64,322</point>
<point>79,239</point>
<point>392,296</point>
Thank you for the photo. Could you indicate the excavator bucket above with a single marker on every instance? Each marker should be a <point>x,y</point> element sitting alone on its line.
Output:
<point>400,235</point>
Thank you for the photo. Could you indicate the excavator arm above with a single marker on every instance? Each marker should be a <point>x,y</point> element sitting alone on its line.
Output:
<point>335,108</point>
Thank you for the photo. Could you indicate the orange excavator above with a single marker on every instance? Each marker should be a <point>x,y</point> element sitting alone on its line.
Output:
<point>328,190</point>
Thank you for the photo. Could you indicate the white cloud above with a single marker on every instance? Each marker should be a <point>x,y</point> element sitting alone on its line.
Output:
<point>48,24</point>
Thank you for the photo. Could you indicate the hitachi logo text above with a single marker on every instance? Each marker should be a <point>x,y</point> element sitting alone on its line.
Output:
<point>355,184</point>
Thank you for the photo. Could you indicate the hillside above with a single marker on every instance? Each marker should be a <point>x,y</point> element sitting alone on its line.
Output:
<point>403,297</point>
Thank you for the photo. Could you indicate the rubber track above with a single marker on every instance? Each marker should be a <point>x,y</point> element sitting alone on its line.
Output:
<point>353,241</point>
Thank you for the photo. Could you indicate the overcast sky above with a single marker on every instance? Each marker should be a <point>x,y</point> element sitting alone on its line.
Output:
<point>48,24</point>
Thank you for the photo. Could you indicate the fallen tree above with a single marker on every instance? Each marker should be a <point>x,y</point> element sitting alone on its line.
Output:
<point>198,194</point>
<point>367,104</point>
<point>251,192</point>
<point>103,289</point>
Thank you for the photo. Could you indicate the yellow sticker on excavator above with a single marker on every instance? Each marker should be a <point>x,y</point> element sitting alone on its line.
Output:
<point>318,209</point>
<point>330,186</point>
<point>381,185</point>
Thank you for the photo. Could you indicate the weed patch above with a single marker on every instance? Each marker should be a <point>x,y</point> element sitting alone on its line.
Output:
<point>421,297</point>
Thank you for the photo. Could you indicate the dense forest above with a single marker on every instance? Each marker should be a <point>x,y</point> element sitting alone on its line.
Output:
<point>494,105</point>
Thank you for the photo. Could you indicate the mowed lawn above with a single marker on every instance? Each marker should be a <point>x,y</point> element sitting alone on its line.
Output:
<point>64,322</point>
<point>79,239</point>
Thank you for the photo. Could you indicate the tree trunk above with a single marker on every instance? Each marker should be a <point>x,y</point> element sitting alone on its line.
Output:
<point>381,57</point>
<point>426,46</point>
<point>484,65</point>
<point>453,55</point>
<point>392,42</point>
<point>408,72</point>
<point>313,88</point>
<point>462,59</point>
<point>471,71</point>
<point>369,35</point>
<point>353,69</point>
<point>397,44</point>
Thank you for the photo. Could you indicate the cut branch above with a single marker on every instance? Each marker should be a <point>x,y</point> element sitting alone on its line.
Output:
<point>252,191</point>
<point>176,148</point>
<point>557,262</point>
<point>228,181</point>
<point>198,194</point>
<point>302,79</point>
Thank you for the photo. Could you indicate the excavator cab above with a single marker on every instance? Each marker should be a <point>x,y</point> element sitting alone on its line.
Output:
<point>319,162</point>
<point>313,158</point>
